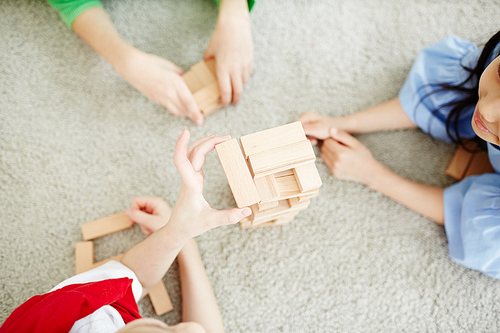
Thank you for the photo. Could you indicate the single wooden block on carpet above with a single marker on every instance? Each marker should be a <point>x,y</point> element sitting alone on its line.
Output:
<point>273,172</point>
<point>201,80</point>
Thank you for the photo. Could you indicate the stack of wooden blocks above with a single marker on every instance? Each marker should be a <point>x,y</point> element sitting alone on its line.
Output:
<point>84,255</point>
<point>469,161</point>
<point>202,82</point>
<point>273,172</point>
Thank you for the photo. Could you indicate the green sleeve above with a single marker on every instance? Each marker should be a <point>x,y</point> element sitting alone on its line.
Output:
<point>71,9</point>
<point>250,4</point>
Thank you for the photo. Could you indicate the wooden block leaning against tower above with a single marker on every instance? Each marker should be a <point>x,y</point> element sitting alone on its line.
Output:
<point>273,172</point>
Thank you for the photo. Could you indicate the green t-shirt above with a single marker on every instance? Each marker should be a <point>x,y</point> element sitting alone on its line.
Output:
<point>71,9</point>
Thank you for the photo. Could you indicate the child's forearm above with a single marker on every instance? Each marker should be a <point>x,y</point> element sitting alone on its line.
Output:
<point>386,116</point>
<point>151,258</point>
<point>95,27</point>
<point>424,199</point>
<point>233,8</point>
<point>198,299</point>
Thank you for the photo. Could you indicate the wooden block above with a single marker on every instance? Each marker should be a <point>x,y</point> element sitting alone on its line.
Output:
<point>272,138</point>
<point>105,226</point>
<point>211,108</point>
<point>262,206</point>
<point>459,163</point>
<point>275,217</point>
<point>298,194</point>
<point>160,299</point>
<point>208,95</point>
<point>307,177</point>
<point>267,188</point>
<point>245,224</point>
<point>84,256</point>
<point>480,164</point>
<point>238,176</point>
<point>204,73</point>
<point>192,81</point>
<point>274,160</point>
<point>102,262</point>
<point>211,66</point>
<point>288,185</point>
<point>284,173</point>
<point>307,197</point>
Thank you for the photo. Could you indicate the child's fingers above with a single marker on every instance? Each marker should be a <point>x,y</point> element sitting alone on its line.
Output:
<point>196,143</point>
<point>236,80</point>
<point>181,161</point>
<point>224,85</point>
<point>187,100</point>
<point>344,138</point>
<point>201,150</point>
<point>308,116</point>
<point>140,217</point>
<point>148,204</point>
<point>230,216</point>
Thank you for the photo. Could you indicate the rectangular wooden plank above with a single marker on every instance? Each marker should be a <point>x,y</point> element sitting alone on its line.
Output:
<point>207,96</point>
<point>284,173</point>
<point>288,185</point>
<point>192,81</point>
<point>238,176</point>
<point>160,299</point>
<point>307,197</point>
<point>298,194</point>
<point>105,226</point>
<point>84,256</point>
<point>211,108</point>
<point>272,138</point>
<point>289,213</point>
<point>204,73</point>
<point>307,177</point>
<point>262,206</point>
<point>459,164</point>
<point>271,161</point>
<point>212,66</point>
<point>480,164</point>
<point>267,188</point>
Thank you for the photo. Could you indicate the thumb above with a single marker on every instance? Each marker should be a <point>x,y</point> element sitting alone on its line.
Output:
<point>344,138</point>
<point>230,216</point>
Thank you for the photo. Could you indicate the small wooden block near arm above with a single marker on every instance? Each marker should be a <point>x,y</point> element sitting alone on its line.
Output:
<point>160,299</point>
<point>105,226</point>
<point>307,177</point>
<point>459,164</point>
<point>272,138</point>
<point>84,256</point>
<point>237,173</point>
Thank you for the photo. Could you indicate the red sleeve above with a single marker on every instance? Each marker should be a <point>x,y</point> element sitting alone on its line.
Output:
<point>58,310</point>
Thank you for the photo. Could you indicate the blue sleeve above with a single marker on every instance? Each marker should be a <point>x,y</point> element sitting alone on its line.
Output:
<point>439,63</point>
<point>472,223</point>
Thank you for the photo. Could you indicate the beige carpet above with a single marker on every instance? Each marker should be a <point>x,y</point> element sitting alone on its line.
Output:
<point>77,143</point>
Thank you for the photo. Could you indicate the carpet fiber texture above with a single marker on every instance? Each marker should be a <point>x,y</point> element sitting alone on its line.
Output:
<point>77,143</point>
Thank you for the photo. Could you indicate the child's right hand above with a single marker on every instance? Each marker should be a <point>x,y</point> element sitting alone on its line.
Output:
<point>160,81</point>
<point>317,126</point>
<point>192,214</point>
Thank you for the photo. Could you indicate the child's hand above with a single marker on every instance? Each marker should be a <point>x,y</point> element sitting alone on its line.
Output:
<point>192,214</point>
<point>317,126</point>
<point>150,213</point>
<point>231,46</point>
<point>160,81</point>
<point>347,158</point>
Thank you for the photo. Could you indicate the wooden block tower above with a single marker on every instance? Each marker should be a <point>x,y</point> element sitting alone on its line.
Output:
<point>273,172</point>
<point>202,82</point>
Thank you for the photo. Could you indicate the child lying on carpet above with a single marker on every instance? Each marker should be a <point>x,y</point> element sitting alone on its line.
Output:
<point>453,93</point>
<point>104,299</point>
<point>159,79</point>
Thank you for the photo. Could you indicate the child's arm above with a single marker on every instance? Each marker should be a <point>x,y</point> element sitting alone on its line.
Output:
<point>198,300</point>
<point>386,116</point>
<point>231,46</point>
<point>157,78</point>
<point>349,159</point>
<point>192,215</point>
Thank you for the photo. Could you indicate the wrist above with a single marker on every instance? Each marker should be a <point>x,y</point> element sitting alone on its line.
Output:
<point>376,176</point>
<point>122,57</point>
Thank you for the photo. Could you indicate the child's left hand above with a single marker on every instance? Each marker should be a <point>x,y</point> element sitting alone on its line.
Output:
<point>347,158</point>
<point>149,213</point>
<point>231,46</point>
